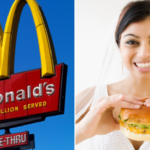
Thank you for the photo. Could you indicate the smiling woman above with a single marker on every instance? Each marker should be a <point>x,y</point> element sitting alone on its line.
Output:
<point>136,44</point>
<point>98,107</point>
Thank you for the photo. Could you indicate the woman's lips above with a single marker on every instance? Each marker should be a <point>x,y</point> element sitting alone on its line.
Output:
<point>143,67</point>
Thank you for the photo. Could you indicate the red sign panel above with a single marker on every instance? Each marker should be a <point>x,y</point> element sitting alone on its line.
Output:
<point>26,94</point>
<point>12,140</point>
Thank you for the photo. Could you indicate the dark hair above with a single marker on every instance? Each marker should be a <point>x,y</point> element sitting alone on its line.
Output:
<point>132,12</point>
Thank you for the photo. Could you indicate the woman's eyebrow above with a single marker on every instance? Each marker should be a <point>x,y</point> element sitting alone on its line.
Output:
<point>131,35</point>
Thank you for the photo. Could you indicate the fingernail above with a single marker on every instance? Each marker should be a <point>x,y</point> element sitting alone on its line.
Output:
<point>120,96</point>
<point>137,106</point>
<point>141,103</point>
<point>148,105</point>
<point>147,100</point>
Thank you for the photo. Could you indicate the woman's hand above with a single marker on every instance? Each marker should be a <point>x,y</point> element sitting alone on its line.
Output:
<point>147,102</point>
<point>99,120</point>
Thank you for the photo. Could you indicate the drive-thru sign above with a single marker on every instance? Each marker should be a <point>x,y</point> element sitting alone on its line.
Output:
<point>13,140</point>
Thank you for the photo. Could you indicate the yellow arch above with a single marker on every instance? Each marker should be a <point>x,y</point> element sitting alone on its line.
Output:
<point>9,39</point>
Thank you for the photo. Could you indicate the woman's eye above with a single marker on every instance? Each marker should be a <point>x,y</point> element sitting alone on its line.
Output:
<point>132,42</point>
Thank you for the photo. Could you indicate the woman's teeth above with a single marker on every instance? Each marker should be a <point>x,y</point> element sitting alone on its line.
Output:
<point>143,65</point>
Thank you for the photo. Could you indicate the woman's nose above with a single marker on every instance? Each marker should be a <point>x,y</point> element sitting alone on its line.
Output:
<point>144,50</point>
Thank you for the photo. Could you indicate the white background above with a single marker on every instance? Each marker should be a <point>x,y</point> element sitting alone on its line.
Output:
<point>92,18</point>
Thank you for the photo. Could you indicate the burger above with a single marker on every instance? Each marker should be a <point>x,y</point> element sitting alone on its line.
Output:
<point>135,123</point>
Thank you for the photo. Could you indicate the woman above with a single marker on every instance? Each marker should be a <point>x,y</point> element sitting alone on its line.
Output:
<point>98,107</point>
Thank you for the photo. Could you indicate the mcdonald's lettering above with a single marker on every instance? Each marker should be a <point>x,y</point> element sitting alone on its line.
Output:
<point>21,94</point>
<point>39,92</point>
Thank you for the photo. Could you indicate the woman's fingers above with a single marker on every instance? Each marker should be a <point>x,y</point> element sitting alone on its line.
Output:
<point>113,99</point>
<point>118,100</point>
<point>133,100</point>
<point>123,101</point>
<point>147,102</point>
<point>107,102</point>
<point>137,98</point>
<point>124,104</point>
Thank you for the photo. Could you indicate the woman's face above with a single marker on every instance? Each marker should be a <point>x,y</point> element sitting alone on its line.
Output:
<point>135,48</point>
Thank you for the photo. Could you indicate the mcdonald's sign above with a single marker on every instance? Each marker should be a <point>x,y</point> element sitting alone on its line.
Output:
<point>36,93</point>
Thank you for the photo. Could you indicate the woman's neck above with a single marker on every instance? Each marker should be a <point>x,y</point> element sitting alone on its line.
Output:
<point>137,87</point>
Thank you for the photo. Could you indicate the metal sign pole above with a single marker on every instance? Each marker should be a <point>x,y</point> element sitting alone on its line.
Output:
<point>7,131</point>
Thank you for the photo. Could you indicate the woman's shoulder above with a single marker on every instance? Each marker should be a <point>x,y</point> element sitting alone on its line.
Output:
<point>86,91</point>
<point>84,98</point>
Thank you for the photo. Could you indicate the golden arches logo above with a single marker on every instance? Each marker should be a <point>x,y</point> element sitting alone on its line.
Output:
<point>8,39</point>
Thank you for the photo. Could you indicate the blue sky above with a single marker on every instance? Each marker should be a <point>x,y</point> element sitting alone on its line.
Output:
<point>57,132</point>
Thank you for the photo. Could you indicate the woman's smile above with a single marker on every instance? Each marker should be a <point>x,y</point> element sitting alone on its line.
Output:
<point>142,66</point>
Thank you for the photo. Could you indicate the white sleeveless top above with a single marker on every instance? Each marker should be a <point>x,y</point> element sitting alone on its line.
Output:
<point>112,141</point>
